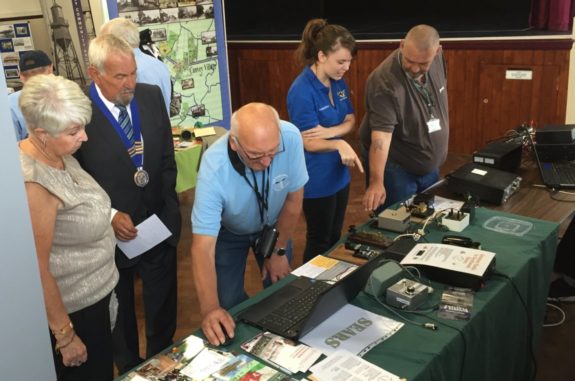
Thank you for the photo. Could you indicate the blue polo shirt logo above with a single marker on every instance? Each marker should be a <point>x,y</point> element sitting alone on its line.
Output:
<point>341,95</point>
<point>280,182</point>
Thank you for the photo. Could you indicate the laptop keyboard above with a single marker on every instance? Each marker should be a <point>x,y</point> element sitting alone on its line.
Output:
<point>294,310</point>
<point>564,172</point>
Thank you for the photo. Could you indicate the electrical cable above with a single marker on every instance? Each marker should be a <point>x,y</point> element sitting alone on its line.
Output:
<point>529,320</point>
<point>464,355</point>
<point>553,192</point>
<point>561,312</point>
<point>430,326</point>
<point>396,313</point>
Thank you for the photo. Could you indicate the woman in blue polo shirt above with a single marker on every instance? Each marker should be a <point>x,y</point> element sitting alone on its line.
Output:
<point>319,105</point>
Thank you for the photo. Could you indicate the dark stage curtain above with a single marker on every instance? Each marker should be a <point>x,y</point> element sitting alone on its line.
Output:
<point>553,15</point>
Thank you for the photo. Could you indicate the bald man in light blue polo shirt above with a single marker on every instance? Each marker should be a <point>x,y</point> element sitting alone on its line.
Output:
<point>250,178</point>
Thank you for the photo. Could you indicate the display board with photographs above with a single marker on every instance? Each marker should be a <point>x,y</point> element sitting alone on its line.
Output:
<point>70,27</point>
<point>189,36</point>
<point>15,39</point>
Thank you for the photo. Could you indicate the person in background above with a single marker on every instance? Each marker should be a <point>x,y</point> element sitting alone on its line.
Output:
<point>250,178</point>
<point>150,70</point>
<point>131,155</point>
<point>32,62</point>
<point>319,105</point>
<point>74,239</point>
<point>405,130</point>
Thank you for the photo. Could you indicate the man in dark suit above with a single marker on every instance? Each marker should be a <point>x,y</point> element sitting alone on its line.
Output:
<point>130,153</point>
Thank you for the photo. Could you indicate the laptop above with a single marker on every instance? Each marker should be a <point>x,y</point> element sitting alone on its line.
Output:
<point>304,303</point>
<point>555,174</point>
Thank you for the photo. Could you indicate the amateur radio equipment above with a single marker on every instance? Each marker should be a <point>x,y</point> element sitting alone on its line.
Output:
<point>562,134</point>
<point>484,183</point>
<point>502,155</point>
<point>407,294</point>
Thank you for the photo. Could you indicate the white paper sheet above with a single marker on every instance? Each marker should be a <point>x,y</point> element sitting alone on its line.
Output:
<point>282,353</point>
<point>353,329</point>
<point>325,268</point>
<point>343,365</point>
<point>449,257</point>
<point>205,363</point>
<point>151,232</point>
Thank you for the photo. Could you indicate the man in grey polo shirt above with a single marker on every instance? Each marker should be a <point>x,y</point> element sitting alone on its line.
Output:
<point>405,131</point>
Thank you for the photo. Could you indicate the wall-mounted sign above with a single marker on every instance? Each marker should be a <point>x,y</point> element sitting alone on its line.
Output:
<point>525,75</point>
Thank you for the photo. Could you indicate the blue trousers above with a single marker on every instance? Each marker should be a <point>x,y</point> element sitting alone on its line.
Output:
<point>399,184</point>
<point>231,257</point>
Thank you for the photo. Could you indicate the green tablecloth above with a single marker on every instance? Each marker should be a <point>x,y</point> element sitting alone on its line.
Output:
<point>187,162</point>
<point>494,344</point>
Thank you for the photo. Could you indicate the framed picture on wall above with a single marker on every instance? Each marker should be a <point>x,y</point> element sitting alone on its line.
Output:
<point>22,30</point>
<point>11,72</point>
<point>7,31</point>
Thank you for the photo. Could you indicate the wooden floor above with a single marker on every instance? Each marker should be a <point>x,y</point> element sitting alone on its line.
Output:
<point>555,357</point>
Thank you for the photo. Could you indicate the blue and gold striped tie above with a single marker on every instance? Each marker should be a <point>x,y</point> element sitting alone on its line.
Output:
<point>126,124</point>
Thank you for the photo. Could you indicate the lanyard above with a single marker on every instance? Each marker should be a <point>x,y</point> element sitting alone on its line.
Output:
<point>421,88</point>
<point>135,151</point>
<point>262,197</point>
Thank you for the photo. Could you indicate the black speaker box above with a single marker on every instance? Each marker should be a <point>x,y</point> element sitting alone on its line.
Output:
<point>555,134</point>
<point>485,184</point>
<point>502,155</point>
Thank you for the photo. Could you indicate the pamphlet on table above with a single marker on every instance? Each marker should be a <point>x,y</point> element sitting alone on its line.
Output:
<point>281,352</point>
<point>343,365</point>
<point>353,329</point>
<point>325,268</point>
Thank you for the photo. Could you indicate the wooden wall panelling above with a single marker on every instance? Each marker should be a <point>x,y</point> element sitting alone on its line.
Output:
<point>482,104</point>
<point>462,94</point>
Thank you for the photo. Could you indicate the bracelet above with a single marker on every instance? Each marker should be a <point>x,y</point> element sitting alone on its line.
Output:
<point>62,331</point>
<point>60,346</point>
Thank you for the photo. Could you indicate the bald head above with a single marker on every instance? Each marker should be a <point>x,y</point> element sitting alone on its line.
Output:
<point>255,133</point>
<point>423,37</point>
<point>254,118</point>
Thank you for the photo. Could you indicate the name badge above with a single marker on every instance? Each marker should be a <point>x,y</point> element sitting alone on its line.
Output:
<point>433,125</point>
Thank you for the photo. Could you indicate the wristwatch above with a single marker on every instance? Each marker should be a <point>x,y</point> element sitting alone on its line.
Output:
<point>280,251</point>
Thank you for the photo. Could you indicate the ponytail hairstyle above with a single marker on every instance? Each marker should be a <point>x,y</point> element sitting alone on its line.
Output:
<point>319,36</point>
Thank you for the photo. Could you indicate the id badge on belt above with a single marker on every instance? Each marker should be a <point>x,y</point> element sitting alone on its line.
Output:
<point>433,125</point>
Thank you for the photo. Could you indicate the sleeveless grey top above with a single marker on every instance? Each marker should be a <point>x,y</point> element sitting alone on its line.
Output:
<point>83,246</point>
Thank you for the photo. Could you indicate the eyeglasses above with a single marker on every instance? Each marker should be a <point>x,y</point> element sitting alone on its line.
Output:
<point>256,157</point>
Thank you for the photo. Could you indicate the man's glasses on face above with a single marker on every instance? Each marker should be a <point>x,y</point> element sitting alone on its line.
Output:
<point>256,157</point>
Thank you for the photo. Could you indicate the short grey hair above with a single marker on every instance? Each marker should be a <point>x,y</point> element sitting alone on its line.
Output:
<point>423,37</point>
<point>104,46</point>
<point>54,103</point>
<point>123,28</point>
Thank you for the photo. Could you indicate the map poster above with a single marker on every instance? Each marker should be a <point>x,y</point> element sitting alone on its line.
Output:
<point>190,38</point>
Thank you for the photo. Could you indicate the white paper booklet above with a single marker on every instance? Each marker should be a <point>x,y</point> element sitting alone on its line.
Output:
<point>281,352</point>
<point>325,268</point>
<point>353,329</point>
<point>449,257</point>
<point>343,365</point>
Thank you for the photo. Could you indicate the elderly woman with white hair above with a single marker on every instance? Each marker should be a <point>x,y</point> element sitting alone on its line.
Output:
<point>74,239</point>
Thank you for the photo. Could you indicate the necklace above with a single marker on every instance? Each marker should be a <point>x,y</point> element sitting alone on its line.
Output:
<point>53,162</point>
